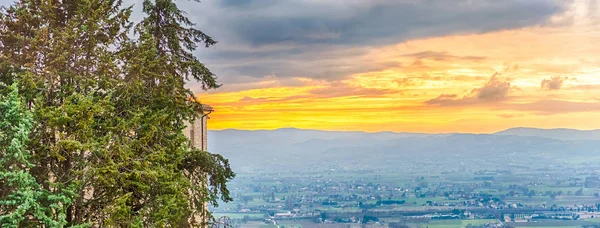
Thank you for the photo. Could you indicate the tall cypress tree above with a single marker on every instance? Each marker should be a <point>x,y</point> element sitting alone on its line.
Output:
<point>109,110</point>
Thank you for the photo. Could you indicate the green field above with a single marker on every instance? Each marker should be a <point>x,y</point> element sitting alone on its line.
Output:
<point>271,192</point>
<point>458,223</point>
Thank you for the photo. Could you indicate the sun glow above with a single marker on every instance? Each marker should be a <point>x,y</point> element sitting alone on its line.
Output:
<point>460,83</point>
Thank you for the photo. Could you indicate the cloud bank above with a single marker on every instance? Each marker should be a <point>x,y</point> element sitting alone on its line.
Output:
<point>494,90</point>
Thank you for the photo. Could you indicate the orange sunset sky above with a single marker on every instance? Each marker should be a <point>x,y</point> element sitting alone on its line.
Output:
<point>404,66</point>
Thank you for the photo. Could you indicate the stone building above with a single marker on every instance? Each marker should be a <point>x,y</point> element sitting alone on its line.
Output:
<point>197,131</point>
<point>198,134</point>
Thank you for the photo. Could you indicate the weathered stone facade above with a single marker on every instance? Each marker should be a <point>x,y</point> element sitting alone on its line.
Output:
<point>197,131</point>
<point>198,134</point>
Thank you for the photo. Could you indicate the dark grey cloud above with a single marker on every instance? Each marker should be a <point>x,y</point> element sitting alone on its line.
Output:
<point>307,22</point>
<point>321,38</point>
<point>554,83</point>
<point>291,38</point>
<point>493,91</point>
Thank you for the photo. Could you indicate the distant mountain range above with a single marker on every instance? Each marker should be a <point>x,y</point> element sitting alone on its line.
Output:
<point>557,133</point>
<point>300,150</point>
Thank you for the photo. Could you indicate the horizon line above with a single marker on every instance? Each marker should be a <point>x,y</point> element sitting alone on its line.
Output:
<point>400,132</point>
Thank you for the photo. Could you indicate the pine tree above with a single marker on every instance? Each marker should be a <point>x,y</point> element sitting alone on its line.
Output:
<point>109,110</point>
<point>157,65</point>
<point>61,53</point>
<point>23,203</point>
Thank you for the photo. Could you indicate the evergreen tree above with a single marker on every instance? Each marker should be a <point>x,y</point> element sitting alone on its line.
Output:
<point>156,67</point>
<point>23,203</point>
<point>61,53</point>
<point>109,110</point>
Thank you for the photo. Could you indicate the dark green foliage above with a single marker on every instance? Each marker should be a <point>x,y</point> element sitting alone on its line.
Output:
<point>390,202</point>
<point>173,36</point>
<point>23,202</point>
<point>369,218</point>
<point>109,110</point>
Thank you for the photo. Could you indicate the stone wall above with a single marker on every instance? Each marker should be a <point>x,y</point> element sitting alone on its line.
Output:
<point>197,133</point>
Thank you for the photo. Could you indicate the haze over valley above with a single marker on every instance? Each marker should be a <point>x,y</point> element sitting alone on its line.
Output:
<point>313,178</point>
<point>296,150</point>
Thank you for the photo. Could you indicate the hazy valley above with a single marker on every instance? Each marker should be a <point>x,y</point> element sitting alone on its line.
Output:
<point>295,150</point>
<point>309,178</point>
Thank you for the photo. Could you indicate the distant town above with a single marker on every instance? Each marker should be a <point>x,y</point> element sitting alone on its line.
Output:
<point>482,189</point>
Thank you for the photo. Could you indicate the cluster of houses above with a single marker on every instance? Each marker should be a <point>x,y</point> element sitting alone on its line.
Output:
<point>521,217</point>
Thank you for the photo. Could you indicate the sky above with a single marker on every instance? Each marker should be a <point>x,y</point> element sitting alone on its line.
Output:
<point>432,66</point>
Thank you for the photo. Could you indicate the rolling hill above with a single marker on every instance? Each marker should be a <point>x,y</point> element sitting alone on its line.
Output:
<point>297,150</point>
